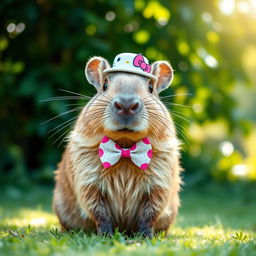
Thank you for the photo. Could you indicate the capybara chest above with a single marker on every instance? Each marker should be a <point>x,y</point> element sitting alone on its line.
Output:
<point>124,189</point>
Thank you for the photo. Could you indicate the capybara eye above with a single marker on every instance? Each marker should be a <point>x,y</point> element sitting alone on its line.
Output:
<point>150,87</point>
<point>105,86</point>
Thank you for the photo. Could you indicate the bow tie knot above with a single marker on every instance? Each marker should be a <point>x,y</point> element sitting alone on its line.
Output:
<point>140,153</point>
<point>126,153</point>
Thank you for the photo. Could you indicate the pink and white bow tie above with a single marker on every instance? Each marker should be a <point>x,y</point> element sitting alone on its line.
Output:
<point>139,61</point>
<point>140,153</point>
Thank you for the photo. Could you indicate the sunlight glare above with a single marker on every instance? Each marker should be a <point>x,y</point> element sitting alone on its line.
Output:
<point>227,6</point>
<point>206,17</point>
<point>243,7</point>
<point>38,221</point>
<point>11,27</point>
<point>110,16</point>
<point>226,148</point>
<point>240,170</point>
<point>20,27</point>
<point>210,61</point>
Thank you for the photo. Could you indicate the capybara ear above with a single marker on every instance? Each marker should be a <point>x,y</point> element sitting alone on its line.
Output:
<point>163,71</point>
<point>94,71</point>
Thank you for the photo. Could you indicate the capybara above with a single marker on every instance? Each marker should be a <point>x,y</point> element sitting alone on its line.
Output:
<point>120,168</point>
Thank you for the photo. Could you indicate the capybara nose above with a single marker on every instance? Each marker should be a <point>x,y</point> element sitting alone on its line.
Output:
<point>126,106</point>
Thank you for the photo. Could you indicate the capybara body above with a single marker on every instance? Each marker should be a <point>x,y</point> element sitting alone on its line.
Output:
<point>126,109</point>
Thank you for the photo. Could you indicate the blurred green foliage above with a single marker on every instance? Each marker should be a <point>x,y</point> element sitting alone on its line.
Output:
<point>44,46</point>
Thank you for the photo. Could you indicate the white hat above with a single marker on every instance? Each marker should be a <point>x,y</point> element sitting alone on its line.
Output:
<point>132,63</point>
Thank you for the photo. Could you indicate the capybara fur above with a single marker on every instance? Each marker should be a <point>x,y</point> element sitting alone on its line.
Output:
<point>87,196</point>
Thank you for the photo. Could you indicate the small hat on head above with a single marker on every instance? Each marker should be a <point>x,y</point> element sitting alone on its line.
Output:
<point>132,63</point>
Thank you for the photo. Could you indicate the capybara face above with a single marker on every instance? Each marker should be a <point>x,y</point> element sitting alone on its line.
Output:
<point>127,111</point>
<point>127,104</point>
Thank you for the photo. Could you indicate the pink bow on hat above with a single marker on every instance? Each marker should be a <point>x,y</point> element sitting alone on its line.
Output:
<point>138,61</point>
<point>140,153</point>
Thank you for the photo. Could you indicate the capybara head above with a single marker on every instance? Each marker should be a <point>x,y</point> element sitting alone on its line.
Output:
<point>127,105</point>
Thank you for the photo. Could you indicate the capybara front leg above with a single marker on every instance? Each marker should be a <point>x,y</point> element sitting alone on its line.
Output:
<point>151,207</point>
<point>96,205</point>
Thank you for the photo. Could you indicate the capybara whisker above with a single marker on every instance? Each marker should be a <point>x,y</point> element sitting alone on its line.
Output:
<point>63,135</point>
<point>58,126</point>
<point>179,105</point>
<point>59,98</point>
<point>62,127</point>
<point>180,116</point>
<point>175,95</point>
<point>75,93</point>
<point>62,114</point>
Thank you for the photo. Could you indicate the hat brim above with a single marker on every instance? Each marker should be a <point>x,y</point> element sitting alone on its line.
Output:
<point>149,75</point>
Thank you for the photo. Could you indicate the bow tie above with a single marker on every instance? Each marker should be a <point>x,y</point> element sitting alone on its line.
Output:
<point>140,153</point>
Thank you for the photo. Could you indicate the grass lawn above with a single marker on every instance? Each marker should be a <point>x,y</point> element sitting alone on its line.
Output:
<point>212,221</point>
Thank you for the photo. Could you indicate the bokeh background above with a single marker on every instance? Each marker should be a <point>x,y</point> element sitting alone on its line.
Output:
<point>44,46</point>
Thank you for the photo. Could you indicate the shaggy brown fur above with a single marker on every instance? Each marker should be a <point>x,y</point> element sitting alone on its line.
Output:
<point>90,197</point>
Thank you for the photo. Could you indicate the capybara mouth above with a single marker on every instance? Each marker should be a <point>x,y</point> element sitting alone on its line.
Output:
<point>125,130</point>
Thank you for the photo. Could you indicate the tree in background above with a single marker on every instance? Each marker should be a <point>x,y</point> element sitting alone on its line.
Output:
<point>44,46</point>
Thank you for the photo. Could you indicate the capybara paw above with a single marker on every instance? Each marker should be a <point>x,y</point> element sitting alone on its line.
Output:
<point>105,229</point>
<point>146,232</point>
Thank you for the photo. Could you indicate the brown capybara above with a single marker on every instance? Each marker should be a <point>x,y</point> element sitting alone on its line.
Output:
<point>125,110</point>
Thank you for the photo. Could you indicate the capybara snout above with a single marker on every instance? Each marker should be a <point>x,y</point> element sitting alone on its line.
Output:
<point>126,93</point>
<point>126,106</point>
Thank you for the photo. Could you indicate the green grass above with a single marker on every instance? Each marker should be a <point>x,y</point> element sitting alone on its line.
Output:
<point>212,221</point>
